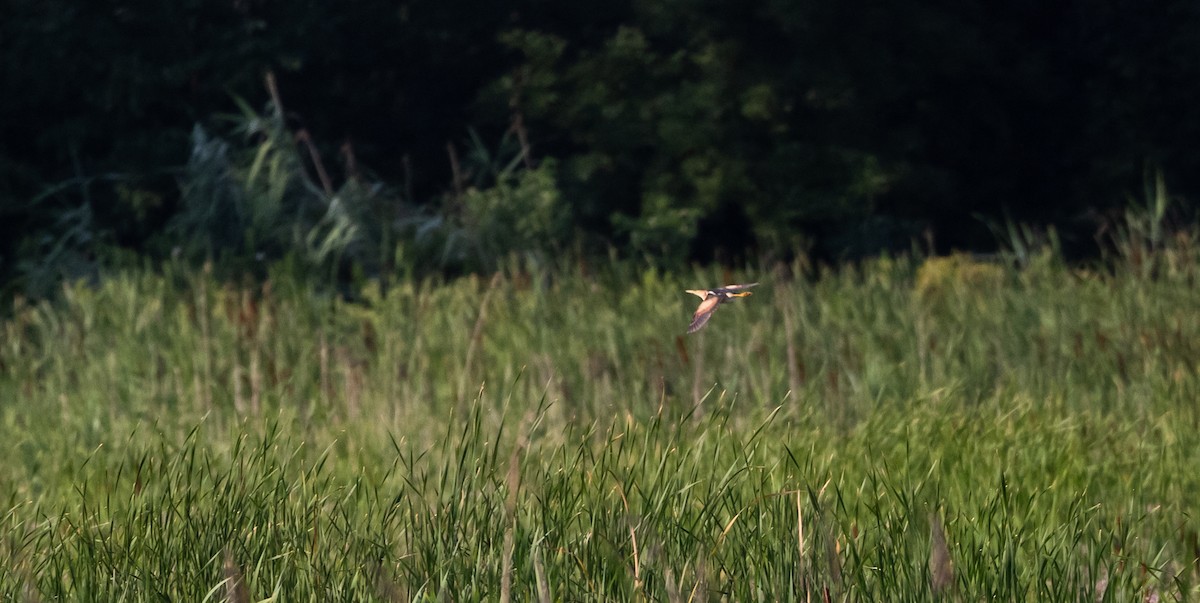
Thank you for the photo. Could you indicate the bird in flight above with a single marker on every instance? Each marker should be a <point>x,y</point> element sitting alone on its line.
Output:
<point>711,298</point>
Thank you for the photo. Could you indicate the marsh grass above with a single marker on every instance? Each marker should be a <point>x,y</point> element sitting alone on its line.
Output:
<point>897,430</point>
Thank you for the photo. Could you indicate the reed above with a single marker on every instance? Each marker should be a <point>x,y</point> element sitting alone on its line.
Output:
<point>891,431</point>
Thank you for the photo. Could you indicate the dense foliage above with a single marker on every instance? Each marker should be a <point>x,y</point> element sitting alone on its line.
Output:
<point>908,430</point>
<point>675,128</point>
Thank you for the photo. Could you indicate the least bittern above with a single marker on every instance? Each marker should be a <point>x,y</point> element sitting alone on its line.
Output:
<point>711,298</point>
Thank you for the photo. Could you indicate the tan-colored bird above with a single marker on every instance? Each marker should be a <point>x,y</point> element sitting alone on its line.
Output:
<point>711,298</point>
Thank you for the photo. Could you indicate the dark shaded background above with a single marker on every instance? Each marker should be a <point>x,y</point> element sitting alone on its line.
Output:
<point>750,128</point>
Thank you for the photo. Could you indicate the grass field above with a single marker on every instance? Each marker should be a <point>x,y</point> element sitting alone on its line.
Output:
<point>901,430</point>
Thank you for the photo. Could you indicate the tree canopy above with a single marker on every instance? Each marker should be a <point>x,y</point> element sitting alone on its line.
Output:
<point>679,129</point>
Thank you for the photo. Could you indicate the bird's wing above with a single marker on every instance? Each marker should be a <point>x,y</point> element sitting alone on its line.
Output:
<point>703,313</point>
<point>738,287</point>
<point>699,321</point>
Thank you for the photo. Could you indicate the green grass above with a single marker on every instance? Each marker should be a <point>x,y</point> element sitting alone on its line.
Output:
<point>887,432</point>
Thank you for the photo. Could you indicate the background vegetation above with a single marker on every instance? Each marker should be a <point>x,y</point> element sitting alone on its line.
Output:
<point>901,430</point>
<point>675,129</point>
<point>383,301</point>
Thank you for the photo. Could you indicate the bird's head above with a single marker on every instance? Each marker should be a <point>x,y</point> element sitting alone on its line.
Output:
<point>701,293</point>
